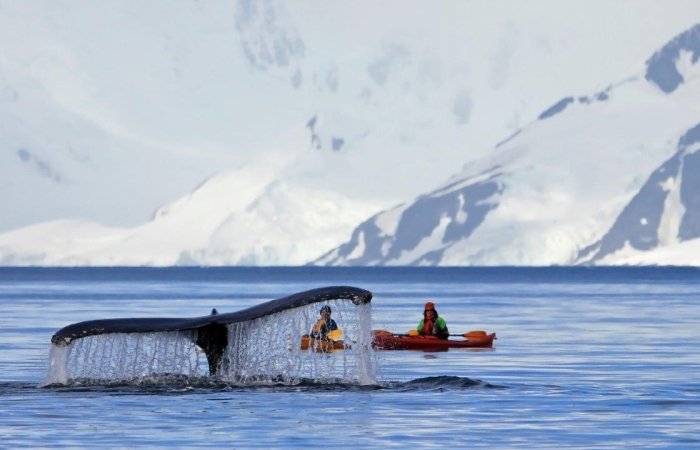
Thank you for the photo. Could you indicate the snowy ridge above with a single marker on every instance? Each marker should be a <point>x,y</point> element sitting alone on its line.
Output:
<point>109,129</point>
<point>245,216</point>
<point>101,132</point>
<point>572,187</point>
<point>427,226</point>
<point>675,62</point>
<point>664,212</point>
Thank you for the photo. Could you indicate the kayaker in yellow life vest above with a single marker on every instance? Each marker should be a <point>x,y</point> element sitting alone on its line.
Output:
<point>432,324</point>
<point>324,324</point>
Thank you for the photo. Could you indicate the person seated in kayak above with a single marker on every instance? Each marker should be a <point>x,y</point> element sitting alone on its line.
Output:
<point>432,324</point>
<point>324,325</point>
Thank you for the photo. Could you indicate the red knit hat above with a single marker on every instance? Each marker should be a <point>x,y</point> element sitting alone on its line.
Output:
<point>429,305</point>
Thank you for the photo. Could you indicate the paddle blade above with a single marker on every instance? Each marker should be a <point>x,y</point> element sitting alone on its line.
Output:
<point>413,332</point>
<point>335,335</point>
<point>475,334</point>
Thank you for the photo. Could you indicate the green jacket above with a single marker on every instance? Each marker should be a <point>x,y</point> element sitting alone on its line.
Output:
<point>439,329</point>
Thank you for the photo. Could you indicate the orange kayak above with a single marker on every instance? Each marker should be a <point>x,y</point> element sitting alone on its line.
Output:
<point>321,345</point>
<point>386,340</point>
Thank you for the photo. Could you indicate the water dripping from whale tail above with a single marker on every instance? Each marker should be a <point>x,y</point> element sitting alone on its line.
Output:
<point>256,345</point>
<point>267,349</point>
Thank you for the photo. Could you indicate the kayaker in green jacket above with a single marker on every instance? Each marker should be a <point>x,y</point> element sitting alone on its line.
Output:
<point>432,324</point>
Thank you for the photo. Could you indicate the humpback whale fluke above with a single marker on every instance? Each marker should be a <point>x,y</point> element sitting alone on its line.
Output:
<point>210,333</point>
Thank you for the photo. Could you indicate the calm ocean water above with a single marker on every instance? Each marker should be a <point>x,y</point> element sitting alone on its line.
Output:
<point>585,358</point>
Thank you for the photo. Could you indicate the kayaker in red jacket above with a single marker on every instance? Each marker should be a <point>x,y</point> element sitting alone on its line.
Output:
<point>432,324</point>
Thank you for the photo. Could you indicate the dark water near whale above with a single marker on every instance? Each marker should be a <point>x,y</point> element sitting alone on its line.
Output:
<point>585,358</point>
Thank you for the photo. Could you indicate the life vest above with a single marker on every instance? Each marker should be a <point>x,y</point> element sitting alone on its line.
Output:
<point>431,328</point>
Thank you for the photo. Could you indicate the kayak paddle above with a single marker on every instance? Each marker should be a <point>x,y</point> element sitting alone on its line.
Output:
<point>335,335</point>
<point>474,334</point>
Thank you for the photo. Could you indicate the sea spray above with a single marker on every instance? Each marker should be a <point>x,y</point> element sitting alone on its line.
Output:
<point>260,351</point>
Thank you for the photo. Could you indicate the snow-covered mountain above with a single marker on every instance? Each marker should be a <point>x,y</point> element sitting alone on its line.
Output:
<point>109,110</point>
<point>299,125</point>
<point>609,177</point>
<point>257,214</point>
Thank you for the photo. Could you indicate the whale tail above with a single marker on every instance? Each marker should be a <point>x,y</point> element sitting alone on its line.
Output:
<point>211,334</point>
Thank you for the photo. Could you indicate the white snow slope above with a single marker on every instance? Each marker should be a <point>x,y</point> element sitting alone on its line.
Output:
<point>257,214</point>
<point>109,110</point>
<point>608,177</point>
